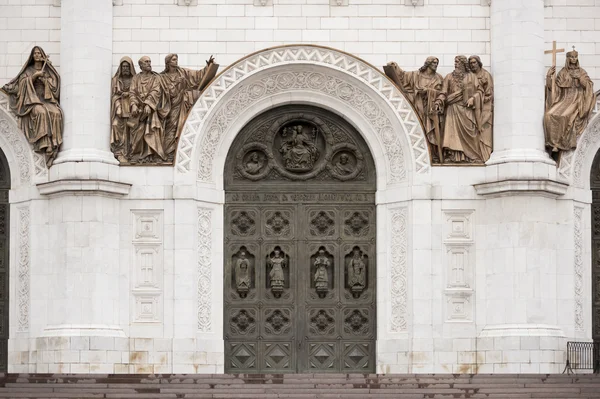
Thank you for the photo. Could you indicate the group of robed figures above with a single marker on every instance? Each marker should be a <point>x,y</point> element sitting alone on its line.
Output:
<point>456,110</point>
<point>149,109</point>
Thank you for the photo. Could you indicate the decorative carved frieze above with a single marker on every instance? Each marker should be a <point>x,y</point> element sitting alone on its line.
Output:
<point>578,269</point>
<point>398,269</point>
<point>23,268</point>
<point>147,273</point>
<point>204,293</point>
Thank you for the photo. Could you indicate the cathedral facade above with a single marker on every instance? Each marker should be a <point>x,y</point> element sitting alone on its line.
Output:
<point>347,186</point>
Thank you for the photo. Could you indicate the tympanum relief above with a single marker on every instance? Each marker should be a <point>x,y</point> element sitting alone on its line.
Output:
<point>149,109</point>
<point>570,100</point>
<point>34,96</point>
<point>300,225</point>
<point>456,110</point>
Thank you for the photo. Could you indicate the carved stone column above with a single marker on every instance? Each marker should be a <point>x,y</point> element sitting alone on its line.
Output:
<point>86,65</point>
<point>517,39</point>
<point>525,267</point>
<point>81,213</point>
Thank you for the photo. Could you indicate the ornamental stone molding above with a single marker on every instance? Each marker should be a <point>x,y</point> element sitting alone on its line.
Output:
<point>398,269</point>
<point>17,150</point>
<point>344,78</point>
<point>204,270</point>
<point>23,268</point>
<point>575,165</point>
<point>578,262</point>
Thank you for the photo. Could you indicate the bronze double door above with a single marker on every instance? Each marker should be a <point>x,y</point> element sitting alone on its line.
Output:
<point>299,246</point>
<point>301,288</point>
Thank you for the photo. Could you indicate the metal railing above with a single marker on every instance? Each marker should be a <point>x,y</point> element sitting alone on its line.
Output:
<point>583,356</point>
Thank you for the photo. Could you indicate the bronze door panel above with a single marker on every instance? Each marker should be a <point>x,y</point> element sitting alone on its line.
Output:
<point>300,267</point>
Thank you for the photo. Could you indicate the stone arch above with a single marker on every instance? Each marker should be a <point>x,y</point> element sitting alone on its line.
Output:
<point>304,74</point>
<point>320,77</point>
<point>26,166</point>
<point>575,166</point>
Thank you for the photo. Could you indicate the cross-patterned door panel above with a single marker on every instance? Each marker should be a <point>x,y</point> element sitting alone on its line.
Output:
<point>300,265</point>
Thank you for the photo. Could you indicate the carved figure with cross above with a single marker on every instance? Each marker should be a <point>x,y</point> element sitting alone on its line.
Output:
<point>554,51</point>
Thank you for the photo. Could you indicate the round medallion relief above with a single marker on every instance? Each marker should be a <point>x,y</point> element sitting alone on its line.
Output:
<point>254,161</point>
<point>346,162</point>
<point>301,146</point>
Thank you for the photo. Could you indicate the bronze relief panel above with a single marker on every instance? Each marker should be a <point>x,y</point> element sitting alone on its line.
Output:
<point>299,198</point>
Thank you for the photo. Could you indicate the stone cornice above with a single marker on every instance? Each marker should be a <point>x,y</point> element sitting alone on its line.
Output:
<point>104,188</point>
<point>521,187</point>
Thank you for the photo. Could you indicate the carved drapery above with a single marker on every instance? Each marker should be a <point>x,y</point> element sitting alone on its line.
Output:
<point>201,129</point>
<point>204,292</point>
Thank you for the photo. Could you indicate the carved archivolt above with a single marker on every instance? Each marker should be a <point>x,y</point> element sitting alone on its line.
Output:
<point>398,259</point>
<point>204,269</point>
<point>572,162</point>
<point>21,150</point>
<point>214,112</point>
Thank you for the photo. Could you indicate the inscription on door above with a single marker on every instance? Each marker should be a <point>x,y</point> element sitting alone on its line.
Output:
<point>299,246</point>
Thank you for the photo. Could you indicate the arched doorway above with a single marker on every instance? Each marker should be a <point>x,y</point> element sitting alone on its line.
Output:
<point>595,187</point>
<point>299,279</point>
<point>4,260</point>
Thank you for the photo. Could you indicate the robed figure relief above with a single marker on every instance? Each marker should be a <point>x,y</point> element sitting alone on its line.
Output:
<point>122,121</point>
<point>242,274</point>
<point>275,264</point>
<point>183,87</point>
<point>298,150</point>
<point>150,103</point>
<point>461,100</point>
<point>421,88</point>
<point>321,277</point>
<point>34,97</point>
<point>484,113</point>
<point>570,101</point>
<point>356,272</point>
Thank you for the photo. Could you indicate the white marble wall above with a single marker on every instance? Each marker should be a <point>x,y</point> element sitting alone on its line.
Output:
<point>471,278</point>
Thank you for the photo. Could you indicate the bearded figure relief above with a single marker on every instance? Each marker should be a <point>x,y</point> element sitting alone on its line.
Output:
<point>456,111</point>
<point>149,109</point>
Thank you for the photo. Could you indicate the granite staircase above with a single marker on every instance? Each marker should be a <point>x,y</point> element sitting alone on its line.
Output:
<point>299,386</point>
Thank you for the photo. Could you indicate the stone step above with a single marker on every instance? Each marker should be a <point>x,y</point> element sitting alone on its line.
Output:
<point>298,386</point>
